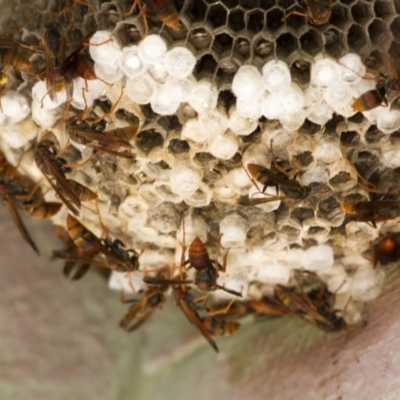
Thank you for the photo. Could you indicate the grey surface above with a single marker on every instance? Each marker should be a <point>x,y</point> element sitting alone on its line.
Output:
<point>60,340</point>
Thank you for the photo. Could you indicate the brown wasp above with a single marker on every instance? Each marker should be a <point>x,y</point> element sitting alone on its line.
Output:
<point>371,211</point>
<point>206,270</point>
<point>164,10</point>
<point>318,11</point>
<point>144,307</point>
<point>18,189</point>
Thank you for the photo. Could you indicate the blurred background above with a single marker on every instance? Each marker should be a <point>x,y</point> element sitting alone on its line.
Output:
<point>60,340</point>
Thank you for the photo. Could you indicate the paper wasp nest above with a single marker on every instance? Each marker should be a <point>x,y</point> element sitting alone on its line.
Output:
<point>210,98</point>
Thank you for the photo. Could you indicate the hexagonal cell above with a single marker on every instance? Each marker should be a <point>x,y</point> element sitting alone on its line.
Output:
<point>304,159</point>
<point>357,38</point>
<point>309,128</point>
<point>178,146</point>
<point>275,20</point>
<point>296,21</point>
<point>127,34</point>
<point>205,67</point>
<point>201,38</point>
<point>217,15</point>
<point>108,16</point>
<point>339,16</point>
<point>230,4</point>
<point>286,44</point>
<point>362,12</point>
<point>223,43</point>
<point>263,47</point>
<point>311,42</point>
<point>378,61</point>
<point>236,20</point>
<point>196,10</point>
<point>249,4</point>
<point>242,47</point>
<point>300,71</point>
<point>383,9</point>
<point>254,21</point>
<point>394,53</point>
<point>396,4</point>
<point>357,118</point>
<point>349,138</point>
<point>378,32</point>
<point>395,28</point>
<point>205,160</point>
<point>267,4</point>
<point>149,139</point>
<point>373,134</point>
<point>335,43</point>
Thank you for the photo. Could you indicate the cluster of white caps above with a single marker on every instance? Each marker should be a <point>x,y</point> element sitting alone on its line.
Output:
<point>153,74</point>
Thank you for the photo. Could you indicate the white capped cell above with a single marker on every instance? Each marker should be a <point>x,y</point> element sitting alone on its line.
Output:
<point>140,89</point>
<point>163,101</point>
<point>130,62</point>
<point>340,94</point>
<point>2,117</point>
<point>276,76</point>
<point>133,205</point>
<point>204,96</point>
<point>241,125</point>
<point>104,49</point>
<point>18,135</point>
<point>184,180</point>
<point>367,283</point>
<point>44,117</point>
<point>238,282</point>
<point>327,152</point>
<point>86,92</point>
<point>194,131</point>
<point>318,258</point>
<point>152,49</point>
<point>321,114</point>
<point>180,88</point>
<point>314,175</point>
<point>108,73</point>
<point>158,72</point>
<point>40,95</point>
<point>223,146</point>
<point>233,229</point>
<point>325,72</point>
<point>239,181</point>
<point>352,68</point>
<point>249,108</point>
<point>273,272</point>
<point>120,281</point>
<point>279,138</point>
<point>270,193</point>
<point>292,99</point>
<point>194,226</point>
<point>179,62</point>
<point>271,106</point>
<point>391,158</point>
<point>248,83</point>
<point>215,121</point>
<point>293,121</point>
<point>14,106</point>
<point>388,120</point>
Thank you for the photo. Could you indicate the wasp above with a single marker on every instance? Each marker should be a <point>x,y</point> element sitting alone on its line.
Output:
<point>9,191</point>
<point>318,12</point>
<point>371,211</point>
<point>370,100</point>
<point>218,327</point>
<point>144,307</point>
<point>386,251</point>
<point>77,264</point>
<point>164,10</point>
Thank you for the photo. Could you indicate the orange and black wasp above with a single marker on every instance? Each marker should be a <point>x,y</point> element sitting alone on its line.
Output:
<point>143,308</point>
<point>385,251</point>
<point>371,211</point>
